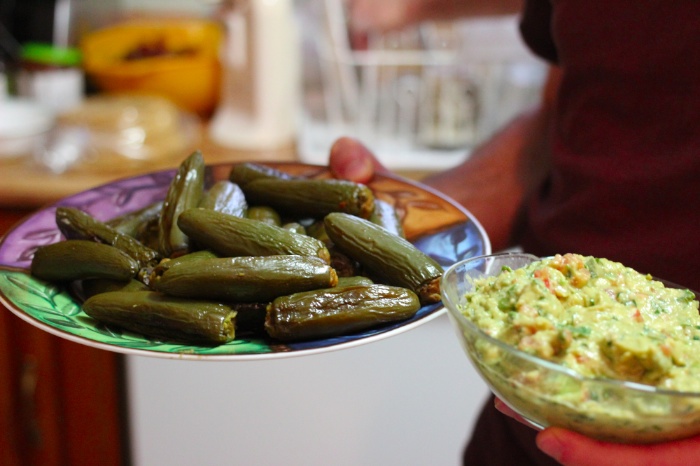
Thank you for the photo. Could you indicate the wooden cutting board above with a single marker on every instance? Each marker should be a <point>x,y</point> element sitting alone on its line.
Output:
<point>24,184</point>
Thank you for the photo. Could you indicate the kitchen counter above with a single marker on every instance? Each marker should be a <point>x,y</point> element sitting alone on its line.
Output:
<point>26,186</point>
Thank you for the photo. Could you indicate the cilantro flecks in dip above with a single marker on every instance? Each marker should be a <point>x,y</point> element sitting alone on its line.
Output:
<point>595,316</point>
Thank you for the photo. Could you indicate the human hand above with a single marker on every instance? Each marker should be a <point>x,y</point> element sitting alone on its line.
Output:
<point>350,160</point>
<point>385,15</point>
<point>572,449</point>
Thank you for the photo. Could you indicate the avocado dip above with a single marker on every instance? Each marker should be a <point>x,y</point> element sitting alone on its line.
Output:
<point>602,320</point>
<point>595,316</point>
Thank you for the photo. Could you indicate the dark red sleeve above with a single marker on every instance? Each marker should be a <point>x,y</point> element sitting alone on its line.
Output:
<point>501,441</point>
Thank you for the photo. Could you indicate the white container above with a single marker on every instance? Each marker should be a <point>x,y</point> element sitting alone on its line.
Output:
<point>60,89</point>
<point>51,75</point>
<point>24,125</point>
<point>260,59</point>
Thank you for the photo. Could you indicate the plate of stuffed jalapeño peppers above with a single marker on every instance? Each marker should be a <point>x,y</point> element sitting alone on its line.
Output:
<point>236,261</point>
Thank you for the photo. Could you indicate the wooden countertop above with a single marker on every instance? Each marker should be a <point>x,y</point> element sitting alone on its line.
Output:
<point>23,185</point>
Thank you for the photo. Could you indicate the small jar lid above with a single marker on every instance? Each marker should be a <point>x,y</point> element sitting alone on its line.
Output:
<point>47,54</point>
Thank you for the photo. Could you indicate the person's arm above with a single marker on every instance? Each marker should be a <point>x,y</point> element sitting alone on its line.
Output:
<point>385,15</point>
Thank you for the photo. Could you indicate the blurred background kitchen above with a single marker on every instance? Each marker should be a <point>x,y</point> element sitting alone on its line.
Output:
<point>93,90</point>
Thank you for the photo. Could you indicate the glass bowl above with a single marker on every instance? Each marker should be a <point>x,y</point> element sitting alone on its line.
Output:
<point>547,394</point>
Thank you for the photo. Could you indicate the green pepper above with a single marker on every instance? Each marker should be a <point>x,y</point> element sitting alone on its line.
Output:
<point>245,279</point>
<point>338,311</point>
<point>81,259</point>
<point>157,315</point>
<point>185,192</point>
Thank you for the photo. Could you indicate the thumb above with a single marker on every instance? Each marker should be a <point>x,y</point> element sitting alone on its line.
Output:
<point>351,160</point>
<point>572,449</point>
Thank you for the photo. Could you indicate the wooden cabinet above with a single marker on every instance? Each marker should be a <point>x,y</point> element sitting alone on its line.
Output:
<point>61,403</point>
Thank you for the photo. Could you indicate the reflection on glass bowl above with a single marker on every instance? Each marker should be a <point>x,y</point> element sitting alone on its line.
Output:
<point>549,394</point>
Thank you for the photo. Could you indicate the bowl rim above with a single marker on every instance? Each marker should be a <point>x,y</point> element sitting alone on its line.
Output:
<point>463,323</point>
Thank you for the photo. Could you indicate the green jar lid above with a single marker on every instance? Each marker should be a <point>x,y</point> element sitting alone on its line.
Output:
<point>48,54</point>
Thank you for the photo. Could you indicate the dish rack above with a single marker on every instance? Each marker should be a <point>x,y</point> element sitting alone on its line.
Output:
<point>420,98</point>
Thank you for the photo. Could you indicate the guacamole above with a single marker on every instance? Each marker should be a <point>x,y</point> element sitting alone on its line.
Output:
<point>602,320</point>
<point>595,316</point>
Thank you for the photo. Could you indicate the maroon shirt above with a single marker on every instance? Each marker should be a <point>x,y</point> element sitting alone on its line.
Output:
<point>625,155</point>
<point>626,151</point>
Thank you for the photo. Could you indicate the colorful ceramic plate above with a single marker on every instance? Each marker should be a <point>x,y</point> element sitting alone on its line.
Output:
<point>435,224</point>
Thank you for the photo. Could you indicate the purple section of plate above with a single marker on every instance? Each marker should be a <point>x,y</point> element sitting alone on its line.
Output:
<point>104,203</point>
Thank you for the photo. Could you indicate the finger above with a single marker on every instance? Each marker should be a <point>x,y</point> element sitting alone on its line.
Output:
<point>508,411</point>
<point>572,449</point>
<point>351,160</point>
